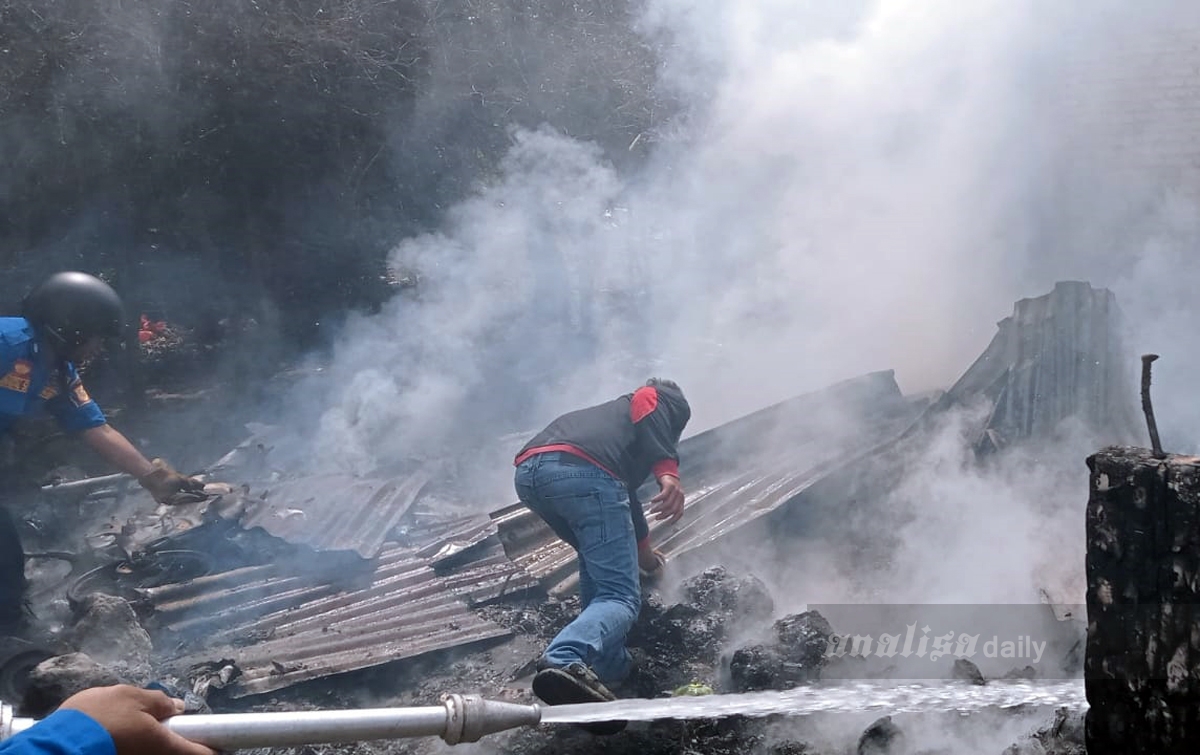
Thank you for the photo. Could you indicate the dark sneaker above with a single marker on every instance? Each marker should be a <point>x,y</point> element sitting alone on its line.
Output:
<point>572,685</point>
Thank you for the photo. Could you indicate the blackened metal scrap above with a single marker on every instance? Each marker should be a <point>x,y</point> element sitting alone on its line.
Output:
<point>87,484</point>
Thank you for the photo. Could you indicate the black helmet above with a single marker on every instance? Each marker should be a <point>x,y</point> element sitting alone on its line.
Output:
<point>70,308</point>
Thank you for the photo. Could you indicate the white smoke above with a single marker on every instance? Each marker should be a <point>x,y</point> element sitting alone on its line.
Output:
<point>830,208</point>
<point>851,186</point>
<point>992,533</point>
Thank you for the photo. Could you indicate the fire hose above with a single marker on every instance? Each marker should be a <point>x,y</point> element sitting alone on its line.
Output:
<point>460,718</point>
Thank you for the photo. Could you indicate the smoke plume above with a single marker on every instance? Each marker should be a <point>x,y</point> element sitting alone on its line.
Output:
<point>847,187</point>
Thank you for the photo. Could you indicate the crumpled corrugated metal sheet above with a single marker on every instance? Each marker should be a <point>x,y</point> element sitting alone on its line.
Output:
<point>739,471</point>
<point>750,467</point>
<point>448,539</point>
<point>204,606</point>
<point>1058,356</point>
<point>489,577</point>
<point>466,552</point>
<point>334,512</point>
<point>531,545</point>
<point>311,630</point>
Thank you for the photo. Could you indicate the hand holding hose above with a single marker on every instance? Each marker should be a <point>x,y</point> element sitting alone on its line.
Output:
<point>133,718</point>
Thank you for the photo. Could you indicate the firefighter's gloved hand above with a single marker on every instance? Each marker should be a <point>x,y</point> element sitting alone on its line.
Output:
<point>170,487</point>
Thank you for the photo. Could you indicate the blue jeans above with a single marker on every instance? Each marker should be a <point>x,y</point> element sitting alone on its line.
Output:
<point>589,509</point>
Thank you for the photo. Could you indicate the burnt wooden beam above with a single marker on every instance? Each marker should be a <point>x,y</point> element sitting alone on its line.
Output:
<point>1142,669</point>
<point>1148,407</point>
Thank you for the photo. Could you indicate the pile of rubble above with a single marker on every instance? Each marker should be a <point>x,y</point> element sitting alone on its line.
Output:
<point>681,648</point>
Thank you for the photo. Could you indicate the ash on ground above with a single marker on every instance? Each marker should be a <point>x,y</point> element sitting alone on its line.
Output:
<point>694,646</point>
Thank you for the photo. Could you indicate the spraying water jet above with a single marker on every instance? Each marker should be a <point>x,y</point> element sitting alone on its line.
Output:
<point>468,718</point>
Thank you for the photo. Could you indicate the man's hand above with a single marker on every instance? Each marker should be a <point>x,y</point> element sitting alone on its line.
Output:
<point>132,717</point>
<point>169,487</point>
<point>650,560</point>
<point>668,504</point>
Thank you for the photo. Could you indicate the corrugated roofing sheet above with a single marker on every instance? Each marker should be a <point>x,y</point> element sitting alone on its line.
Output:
<point>739,471</point>
<point>748,468</point>
<point>489,576</point>
<point>1057,356</point>
<point>334,512</point>
<point>202,606</point>
<point>532,545</point>
<point>451,539</point>
<point>310,631</point>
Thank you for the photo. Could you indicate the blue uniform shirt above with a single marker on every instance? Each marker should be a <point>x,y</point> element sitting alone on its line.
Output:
<point>27,382</point>
<point>64,732</point>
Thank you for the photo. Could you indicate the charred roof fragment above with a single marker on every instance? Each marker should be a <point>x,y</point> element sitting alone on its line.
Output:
<point>1057,357</point>
<point>406,611</point>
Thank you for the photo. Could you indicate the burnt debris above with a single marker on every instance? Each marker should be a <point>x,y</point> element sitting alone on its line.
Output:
<point>283,588</point>
<point>716,605</point>
<point>883,737</point>
<point>797,654</point>
<point>1143,537</point>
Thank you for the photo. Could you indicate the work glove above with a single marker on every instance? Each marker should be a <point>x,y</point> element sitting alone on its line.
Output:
<point>171,488</point>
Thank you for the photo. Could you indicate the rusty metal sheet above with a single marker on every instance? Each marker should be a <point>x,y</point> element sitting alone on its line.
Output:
<point>334,512</point>
<point>202,606</point>
<point>406,610</point>
<point>796,462</point>
<point>489,577</point>
<point>466,552</point>
<point>280,628</point>
<point>746,469</point>
<point>532,545</point>
<point>452,540</point>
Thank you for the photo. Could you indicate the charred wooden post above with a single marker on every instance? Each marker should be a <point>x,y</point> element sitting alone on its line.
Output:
<point>1143,571</point>
<point>1148,407</point>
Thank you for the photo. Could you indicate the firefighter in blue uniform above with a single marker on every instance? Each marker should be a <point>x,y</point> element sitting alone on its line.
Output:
<point>65,321</point>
